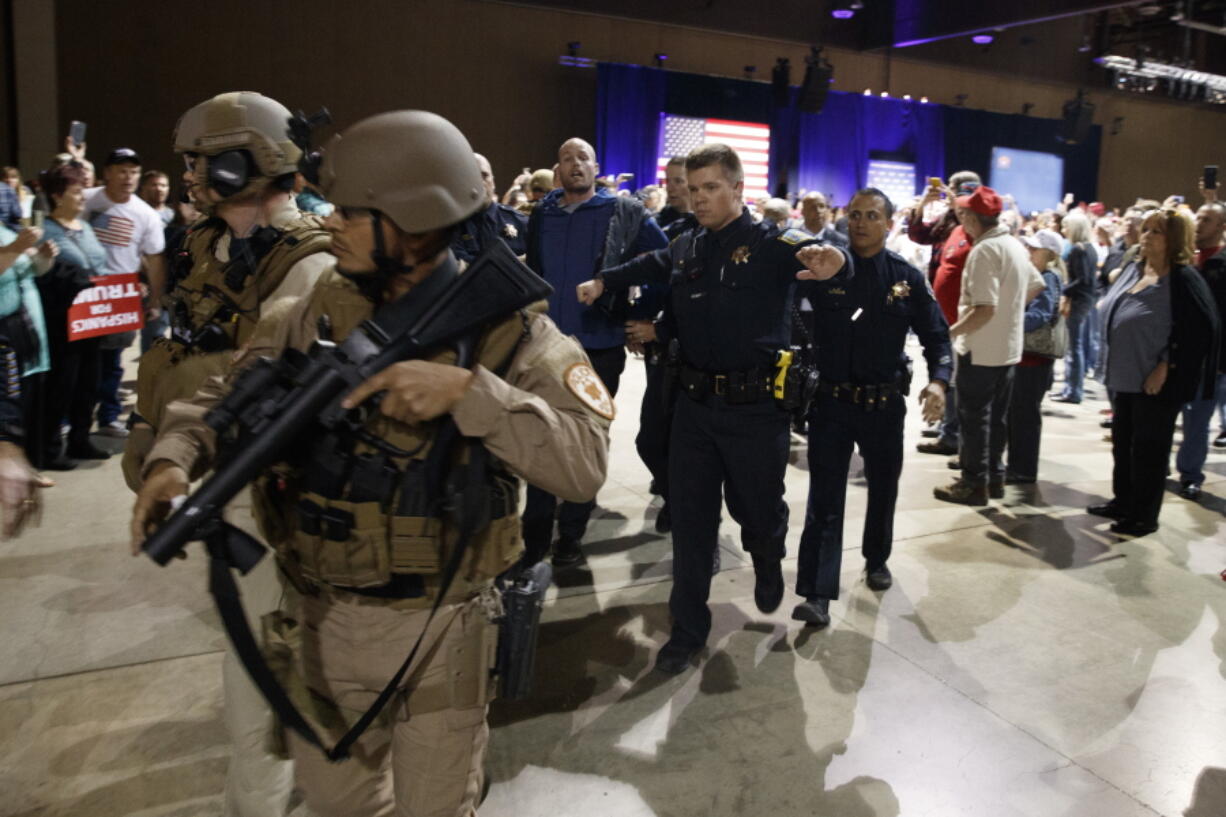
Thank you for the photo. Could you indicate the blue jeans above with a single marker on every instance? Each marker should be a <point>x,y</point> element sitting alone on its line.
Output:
<point>1190,461</point>
<point>153,330</point>
<point>950,428</point>
<point>110,375</point>
<point>1094,333</point>
<point>1079,326</point>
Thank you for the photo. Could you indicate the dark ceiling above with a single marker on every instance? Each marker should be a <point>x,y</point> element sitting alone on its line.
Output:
<point>1054,40</point>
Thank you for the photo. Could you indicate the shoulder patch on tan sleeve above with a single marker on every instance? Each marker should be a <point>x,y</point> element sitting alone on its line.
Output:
<point>583,382</point>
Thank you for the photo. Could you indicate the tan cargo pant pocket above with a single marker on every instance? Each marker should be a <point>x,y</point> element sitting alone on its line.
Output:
<point>470,661</point>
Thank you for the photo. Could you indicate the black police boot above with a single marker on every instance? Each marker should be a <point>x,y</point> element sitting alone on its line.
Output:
<point>768,584</point>
<point>654,488</point>
<point>814,611</point>
<point>880,578</point>
<point>674,658</point>
<point>664,520</point>
<point>1108,509</point>
<point>86,451</point>
<point>566,553</point>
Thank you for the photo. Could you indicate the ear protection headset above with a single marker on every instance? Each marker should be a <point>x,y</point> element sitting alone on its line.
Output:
<point>229,172</point>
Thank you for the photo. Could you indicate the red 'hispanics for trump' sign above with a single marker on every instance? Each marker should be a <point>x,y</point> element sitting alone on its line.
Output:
<point>111,305</point>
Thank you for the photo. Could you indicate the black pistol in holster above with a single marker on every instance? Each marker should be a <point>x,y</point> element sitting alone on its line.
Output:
<point>795,381</point>
<point>523,596</point>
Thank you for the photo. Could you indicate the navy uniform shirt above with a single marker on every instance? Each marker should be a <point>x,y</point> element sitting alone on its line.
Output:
<point>499,220</point>
<point>861,324</point>
<point>730,292</point>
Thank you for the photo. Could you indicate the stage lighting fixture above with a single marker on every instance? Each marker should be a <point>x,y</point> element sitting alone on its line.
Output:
<point>923,100</point>
<point>843,12</point>
<point>660,58</point>
<point>1147,76</point>
<point>572,59</point>
<point>572,48</point>
<point>885,94</point>
<point>750,70</point>
<point>868,91</point>
<point>982,39</point>
<point>1027,107</point>
<point>906,97</point>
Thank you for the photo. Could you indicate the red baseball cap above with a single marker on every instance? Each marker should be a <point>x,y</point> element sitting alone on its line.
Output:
<point>983,201</point>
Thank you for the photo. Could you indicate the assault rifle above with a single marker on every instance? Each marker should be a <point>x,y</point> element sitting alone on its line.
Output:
<point>276,402</point>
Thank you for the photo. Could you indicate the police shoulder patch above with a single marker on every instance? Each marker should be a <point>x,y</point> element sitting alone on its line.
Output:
<point>583,382</point>
<point>795,236</point>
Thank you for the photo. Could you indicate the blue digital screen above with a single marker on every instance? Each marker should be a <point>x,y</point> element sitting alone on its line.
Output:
<point>1033,179</point>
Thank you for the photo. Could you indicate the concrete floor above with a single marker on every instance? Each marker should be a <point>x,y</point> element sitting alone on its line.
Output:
<point>1026,662</point>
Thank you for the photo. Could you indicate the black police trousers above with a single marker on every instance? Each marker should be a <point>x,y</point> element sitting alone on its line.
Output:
<point>655,422</point>
<point>834,427</point>
<point>540,506</point>
<point>718,450</point>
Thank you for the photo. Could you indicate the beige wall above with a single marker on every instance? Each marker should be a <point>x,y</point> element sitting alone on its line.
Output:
<point>34,51</point>
<point>130,67</point>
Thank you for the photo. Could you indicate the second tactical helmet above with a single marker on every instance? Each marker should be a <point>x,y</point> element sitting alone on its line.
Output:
<point>244,139</point>
<point>414,167</point>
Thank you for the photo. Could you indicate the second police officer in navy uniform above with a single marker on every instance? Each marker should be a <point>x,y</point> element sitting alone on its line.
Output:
<point>645,333</point>
<point>494,220</point>
<point>860,330</point>
<point>732,284</point>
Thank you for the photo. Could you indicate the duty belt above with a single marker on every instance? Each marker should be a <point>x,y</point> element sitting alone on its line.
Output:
<point>871,397</point>
<point>751,386</point>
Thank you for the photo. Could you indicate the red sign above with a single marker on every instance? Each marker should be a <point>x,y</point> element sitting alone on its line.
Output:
<point>111,305</point>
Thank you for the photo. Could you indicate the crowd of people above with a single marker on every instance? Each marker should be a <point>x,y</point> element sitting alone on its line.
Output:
<point>754,321</point>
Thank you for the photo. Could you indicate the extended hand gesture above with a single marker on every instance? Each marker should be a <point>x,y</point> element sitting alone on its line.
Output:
<point>821,263</point>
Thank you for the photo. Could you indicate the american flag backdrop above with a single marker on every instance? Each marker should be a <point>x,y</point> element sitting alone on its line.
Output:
<point>751,140</point>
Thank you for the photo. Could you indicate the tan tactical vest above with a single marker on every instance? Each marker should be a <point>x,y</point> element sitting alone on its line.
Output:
<point>170,371</point>
<point>381,543</point>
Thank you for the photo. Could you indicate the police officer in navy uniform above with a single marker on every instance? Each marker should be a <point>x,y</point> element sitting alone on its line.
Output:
<point>492,220</point>
<point>645,334</point>
<point>861,328</point>
<point>732,284</point>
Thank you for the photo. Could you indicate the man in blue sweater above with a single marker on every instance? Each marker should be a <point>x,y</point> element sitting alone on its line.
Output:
<point>573,233</point>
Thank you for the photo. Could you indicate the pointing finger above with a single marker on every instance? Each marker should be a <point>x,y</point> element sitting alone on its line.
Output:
<point>373,384</point>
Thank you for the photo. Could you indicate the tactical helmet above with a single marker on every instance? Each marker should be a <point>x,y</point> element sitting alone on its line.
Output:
<point>245,137</point>
<point>415,167</point>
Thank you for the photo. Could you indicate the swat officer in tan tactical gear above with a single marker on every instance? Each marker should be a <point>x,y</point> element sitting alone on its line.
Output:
<point>402,182</point>
<point>254,249</point>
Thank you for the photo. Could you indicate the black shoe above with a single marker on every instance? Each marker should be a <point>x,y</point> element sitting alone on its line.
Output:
<point>1131,527</point>
<point>1189,490</point>
<point>1220,440</point>
<point>954,463</point>
<point>814,611</point>
<point>930,433</point>
<point>880,578</point>
<point>996,490</point>
<point>1105,423</point>
<point>1064,398</point>
<point>664,519</point>
<point>1107,509</point>
<point>715,562</point>
<point>654,488</point>
<point>566,553</point>
<point>1017,479</point>
<point>768,584</point>
<point>674,659</point>
<point>943,447</point>
<point>87,451</point>
<point>62,463</point>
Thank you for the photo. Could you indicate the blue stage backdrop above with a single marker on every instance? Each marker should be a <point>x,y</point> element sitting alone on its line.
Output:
<point>828,151</point>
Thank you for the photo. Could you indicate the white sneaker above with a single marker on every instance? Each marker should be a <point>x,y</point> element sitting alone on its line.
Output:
<point>116,428</point>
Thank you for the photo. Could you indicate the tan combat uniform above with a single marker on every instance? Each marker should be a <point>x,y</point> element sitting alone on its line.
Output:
<point>546,421</point>
<point>258,781</point>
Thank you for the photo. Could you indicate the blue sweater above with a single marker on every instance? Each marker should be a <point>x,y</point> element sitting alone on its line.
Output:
<point>571,246</point>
